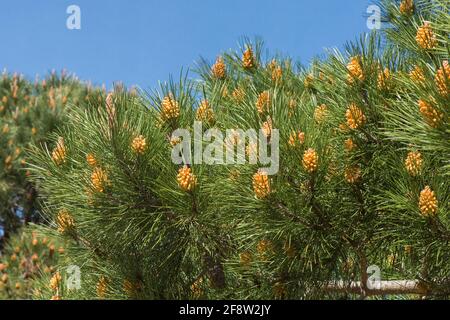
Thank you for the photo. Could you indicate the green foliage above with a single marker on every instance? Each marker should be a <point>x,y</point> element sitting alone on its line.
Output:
<point>357,152</point>
<point>28,113</point>
<point>29,255</point>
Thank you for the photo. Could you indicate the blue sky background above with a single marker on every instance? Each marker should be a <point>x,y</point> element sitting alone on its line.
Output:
<point>143,41</point>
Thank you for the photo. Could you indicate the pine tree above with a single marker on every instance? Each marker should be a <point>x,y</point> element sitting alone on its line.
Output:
<point>28,113</point>
<point>362,180</point>
<point>28,255</point>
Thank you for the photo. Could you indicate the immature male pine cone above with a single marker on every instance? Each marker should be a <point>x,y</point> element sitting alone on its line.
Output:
<point>59,152</point>
<point>55,281</point>
<point>413,163</point>
<point>355,70</point>
<point>428,203</point>
<point>425,37</point>
<point>261,184</point>
<point>238,94</point>
<point>218,69</point>
<point>90,159</point>
<point>320,113</point>
<point>295,137</point>
<point>383,79</point>
<point>169,108</point>
<point>355,117</point>
<point>417,75</point>
<point>349,145</point>
<point>99,179</point>
<point>139,144</point>
<point>263,102</point>
<point>310,160</point>
<point>352,174</point>
<point>431,116</point>
<point>248,60</point>
<point>102,286</point>
<point>407,7</point>
<point>442,78</point>
<point>205,112</point>
<point>186,179</point>
<point>64,221</point>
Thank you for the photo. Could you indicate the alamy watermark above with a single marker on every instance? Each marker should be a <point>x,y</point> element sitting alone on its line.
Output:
<point>236,146</point>
<point>374,280</point>
<point>73,21</point>
<point>73,279</point>
<point>374,20</point>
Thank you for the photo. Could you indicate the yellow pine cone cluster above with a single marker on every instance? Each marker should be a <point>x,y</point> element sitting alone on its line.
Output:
<point>90,159</point>
<point>296,137</point>
<point>110,107</point>
<point>205,112</point>
<point>383,79</point>
<point>218,69</point>
<point>425,37</point>
<point>64,221</point>
<point>55,281</point>
<point>352,174</point>
<point>442,79</point>
<point>187,181</point>
<point>139,144</point>
<point>224,92</point>
<point>432,116</point>
<point>238,94</point>
<point>428,203</point>
<point>196,288</point>
<point>248,60</point>
<point>320,113</point>
<point>102,286</point>
<point>292,106</point>
<point>407,7</point>
<point>349,145</point>
<point>263,102</point>
<point>169,108</point>
<point>99,179</point>
<point>267,127</point>
<point>51,98</point>
<point>414,163</point>
<point>59,152</point>
<point>417,75</point>
<point>309,80</point>
<point>245,258</point>
<point>276,71</point>
<point>261,184</point>
<point>264,248</point>
<point>310,160</point>
<point>233,138</point>
<point>355,117</point>
<point>251,150</point>
<point>355,70</point>
<point>175,141</point>
<point>130,288</point>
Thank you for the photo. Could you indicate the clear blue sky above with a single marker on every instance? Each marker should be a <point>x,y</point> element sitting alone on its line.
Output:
<point>143,41</point>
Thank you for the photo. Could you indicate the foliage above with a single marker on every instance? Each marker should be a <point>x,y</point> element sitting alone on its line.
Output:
<point>29,255</point>
<point>362,180</point>
<point>28,113</point>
